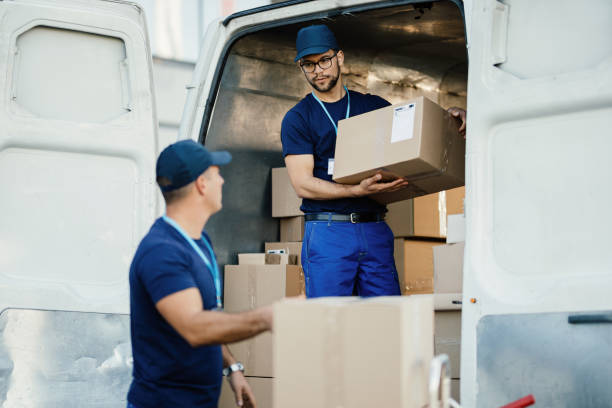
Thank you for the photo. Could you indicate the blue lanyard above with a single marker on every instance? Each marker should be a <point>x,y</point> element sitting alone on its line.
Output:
<point>348,108</point>
<point>214,268</point>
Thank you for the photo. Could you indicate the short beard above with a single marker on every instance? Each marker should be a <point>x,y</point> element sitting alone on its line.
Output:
<point>332,83</point>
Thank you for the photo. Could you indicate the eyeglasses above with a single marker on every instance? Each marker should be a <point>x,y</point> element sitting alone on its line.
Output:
<point>323,63</point>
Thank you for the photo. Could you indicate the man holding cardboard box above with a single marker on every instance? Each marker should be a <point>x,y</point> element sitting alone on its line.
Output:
<point>178,332</point>
<point>347,245</point>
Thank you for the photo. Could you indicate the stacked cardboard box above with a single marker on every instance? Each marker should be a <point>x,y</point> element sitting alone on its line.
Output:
<point>353,353</point>
<point>286,206</point>
<point>258,280</point>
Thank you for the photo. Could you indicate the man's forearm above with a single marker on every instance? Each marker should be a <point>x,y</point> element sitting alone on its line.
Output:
<point>210,327</point>
<point>228,357</point>
<point>317,189</point>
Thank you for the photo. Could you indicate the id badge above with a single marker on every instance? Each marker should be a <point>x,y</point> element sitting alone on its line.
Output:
<point>330,167</point>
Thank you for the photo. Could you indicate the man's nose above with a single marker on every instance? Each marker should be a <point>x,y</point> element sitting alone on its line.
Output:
<point>318,68</point>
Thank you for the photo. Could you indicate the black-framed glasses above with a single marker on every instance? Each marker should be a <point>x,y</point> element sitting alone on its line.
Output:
<point>323,63</point>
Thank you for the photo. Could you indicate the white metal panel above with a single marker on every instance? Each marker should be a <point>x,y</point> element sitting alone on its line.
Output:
<point>537,213</point>
<point>78,181</point>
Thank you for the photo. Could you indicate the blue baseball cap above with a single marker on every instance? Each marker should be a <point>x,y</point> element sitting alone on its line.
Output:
<point>182,162</point>
<point>315,39</point>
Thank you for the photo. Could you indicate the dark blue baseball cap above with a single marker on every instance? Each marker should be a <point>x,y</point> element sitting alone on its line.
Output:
<point>182,162</point>
<point>315,39</point>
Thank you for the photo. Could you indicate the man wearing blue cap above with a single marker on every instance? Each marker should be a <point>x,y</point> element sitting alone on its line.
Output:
<point>178,330</point>
<point>347,246</point>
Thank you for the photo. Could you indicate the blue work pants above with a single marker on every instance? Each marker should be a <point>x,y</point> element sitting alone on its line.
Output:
<point>342,258</point>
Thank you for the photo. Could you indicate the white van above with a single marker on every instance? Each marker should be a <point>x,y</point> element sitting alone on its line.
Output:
<point>78,143</point>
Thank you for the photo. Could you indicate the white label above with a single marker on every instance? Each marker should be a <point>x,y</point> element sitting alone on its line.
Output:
<point>403,123</point>
<point>330,167</point>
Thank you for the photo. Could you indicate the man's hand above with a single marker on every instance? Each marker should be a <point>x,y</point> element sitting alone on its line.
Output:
<point>459,114</point>
<point>242,390</point>
<point>371,185</point>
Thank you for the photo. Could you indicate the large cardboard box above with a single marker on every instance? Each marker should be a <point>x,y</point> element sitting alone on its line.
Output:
<point>414,263</point>
<point>293,248</point>
<point>285,201</point>
<point>447,336</point>
<point>448,268</point>
<point>248,287</point>
<point>417,140</point>
<point>292,229</point>
<point>261,387</point>
<point>344,352</point>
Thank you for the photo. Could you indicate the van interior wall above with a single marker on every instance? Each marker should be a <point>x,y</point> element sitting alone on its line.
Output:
<point>398,53</point>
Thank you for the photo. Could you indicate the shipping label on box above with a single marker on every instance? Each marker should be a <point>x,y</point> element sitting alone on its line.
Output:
<point>328,348</point>
<point>417,140</point>
<point>285,201</point>
<point>456,228</point>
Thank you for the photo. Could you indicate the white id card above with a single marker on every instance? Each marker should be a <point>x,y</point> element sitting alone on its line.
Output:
<point>330,167</point>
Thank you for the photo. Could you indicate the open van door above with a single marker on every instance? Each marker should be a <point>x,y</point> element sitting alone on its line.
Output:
<point>538,265</point>
<point>77,149</point>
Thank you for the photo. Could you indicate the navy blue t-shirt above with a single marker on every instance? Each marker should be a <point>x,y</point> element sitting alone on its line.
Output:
<point>168,372</point>
<point>306,129</point>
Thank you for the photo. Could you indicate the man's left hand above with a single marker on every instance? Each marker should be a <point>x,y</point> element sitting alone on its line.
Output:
<point>459,114</point>
<point>242,390</point>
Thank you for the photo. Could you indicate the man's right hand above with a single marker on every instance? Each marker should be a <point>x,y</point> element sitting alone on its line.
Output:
<point>372,185</point>
<point>266,315</point>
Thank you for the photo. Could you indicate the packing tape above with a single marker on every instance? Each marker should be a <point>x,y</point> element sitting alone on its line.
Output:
<point>442,212</point>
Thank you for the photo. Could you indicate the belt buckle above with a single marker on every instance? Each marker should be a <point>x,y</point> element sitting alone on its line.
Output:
<point>354,218</point>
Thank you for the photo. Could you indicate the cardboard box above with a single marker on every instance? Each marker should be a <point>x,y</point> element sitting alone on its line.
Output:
<point>293,248</point>
<point>455,228</point>
<point>344,352</point>
<point>414,263</point>
<point>448,268</point>
<point>266,259</point>
<point>261,387</point>
<point>285,201</point>
<point>292,229</point>
<point>447,338</point>
<point>400,218</point>
<point>248,287</point>
<point>431,211</point>
<point>416,139</point>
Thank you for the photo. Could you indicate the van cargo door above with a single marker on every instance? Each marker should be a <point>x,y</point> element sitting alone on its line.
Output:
<point>77,149</point>
<point>537,204</point>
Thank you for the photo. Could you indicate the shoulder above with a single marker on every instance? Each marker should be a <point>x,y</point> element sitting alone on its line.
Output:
<point>369,100</point>
<point>300,110</point>
<point>160,245</point>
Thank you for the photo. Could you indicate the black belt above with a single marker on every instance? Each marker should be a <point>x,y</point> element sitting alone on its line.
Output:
<point>352,218</point>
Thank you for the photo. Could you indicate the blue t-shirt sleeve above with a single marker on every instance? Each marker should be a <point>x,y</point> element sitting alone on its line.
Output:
<point>294,135</point>
<point>164,272</point>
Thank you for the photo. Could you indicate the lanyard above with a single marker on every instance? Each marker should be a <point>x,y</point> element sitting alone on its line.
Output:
<point>214,268</point>
<point>348,108</point>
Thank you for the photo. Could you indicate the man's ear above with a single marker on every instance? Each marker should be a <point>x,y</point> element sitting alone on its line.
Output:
<point>200,184</point>
<point>340,56</point>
